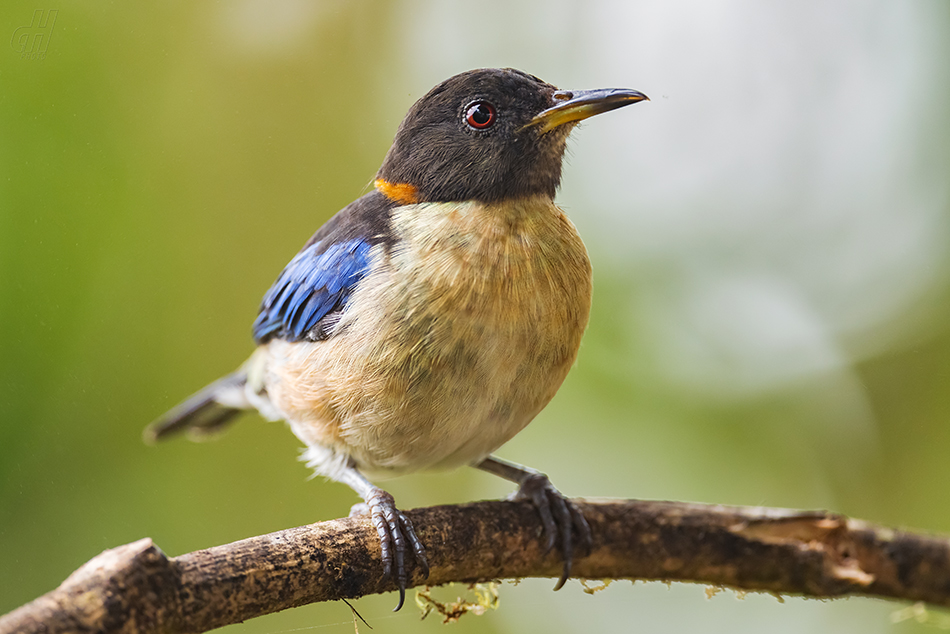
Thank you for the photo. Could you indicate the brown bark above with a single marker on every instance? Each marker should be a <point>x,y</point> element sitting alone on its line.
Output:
<point>135,588</point>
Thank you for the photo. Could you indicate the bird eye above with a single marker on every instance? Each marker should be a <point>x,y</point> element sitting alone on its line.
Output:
<point>480,115</point>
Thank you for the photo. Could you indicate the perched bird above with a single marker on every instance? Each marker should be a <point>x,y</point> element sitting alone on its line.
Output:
<point>430,320</point>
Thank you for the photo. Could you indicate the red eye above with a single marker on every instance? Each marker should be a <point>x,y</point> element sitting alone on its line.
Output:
<point>480,115</point>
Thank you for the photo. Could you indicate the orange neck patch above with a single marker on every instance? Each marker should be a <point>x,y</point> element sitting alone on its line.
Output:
<point>402,193</point>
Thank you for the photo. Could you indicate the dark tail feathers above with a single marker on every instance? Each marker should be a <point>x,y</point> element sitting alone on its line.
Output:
<point>203,413</point>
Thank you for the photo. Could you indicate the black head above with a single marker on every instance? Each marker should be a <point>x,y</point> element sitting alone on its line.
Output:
<point>488,135</point>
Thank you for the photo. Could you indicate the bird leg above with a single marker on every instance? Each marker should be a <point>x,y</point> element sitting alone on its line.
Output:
<point>559,516</point>
<point>393,527</point>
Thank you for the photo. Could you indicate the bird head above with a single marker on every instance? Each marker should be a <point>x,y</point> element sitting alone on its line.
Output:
<point>488,135</point>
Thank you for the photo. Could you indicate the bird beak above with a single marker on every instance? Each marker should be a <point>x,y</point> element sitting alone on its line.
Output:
<point>575,105</point>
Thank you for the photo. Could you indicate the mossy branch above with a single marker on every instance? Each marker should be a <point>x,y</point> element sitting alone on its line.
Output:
<point>136,589</point>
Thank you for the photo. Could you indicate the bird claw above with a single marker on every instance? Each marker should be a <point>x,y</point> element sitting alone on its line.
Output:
<point>559,516</point>
<point>395,532</point>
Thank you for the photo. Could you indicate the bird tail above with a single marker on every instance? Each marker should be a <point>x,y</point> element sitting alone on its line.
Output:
<point>205,412</point>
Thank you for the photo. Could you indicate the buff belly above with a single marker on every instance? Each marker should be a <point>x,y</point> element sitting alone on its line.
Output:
<point>460,334</point>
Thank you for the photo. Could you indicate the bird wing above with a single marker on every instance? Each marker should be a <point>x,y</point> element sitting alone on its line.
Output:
<point>307,298</point>
<point>315,283</point>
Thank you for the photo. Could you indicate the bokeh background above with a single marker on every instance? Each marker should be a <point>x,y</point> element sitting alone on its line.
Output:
<point>770,236</point>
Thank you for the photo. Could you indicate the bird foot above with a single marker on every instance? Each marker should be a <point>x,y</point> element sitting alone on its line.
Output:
<point>559,516</point>
<point>395,532</point>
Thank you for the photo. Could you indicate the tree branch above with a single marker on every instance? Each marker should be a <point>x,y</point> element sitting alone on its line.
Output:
<point>135,588</point>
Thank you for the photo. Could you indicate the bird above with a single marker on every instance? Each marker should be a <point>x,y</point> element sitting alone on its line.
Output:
<point>430,320</point>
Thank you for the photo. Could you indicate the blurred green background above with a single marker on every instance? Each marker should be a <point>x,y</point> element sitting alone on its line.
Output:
<point>770,236</point>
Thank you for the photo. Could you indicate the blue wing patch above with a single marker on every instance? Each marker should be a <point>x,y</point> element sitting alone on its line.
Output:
<point>317,282</point>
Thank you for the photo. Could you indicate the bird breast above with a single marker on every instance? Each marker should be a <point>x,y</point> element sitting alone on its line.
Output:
<point>460,333</point>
